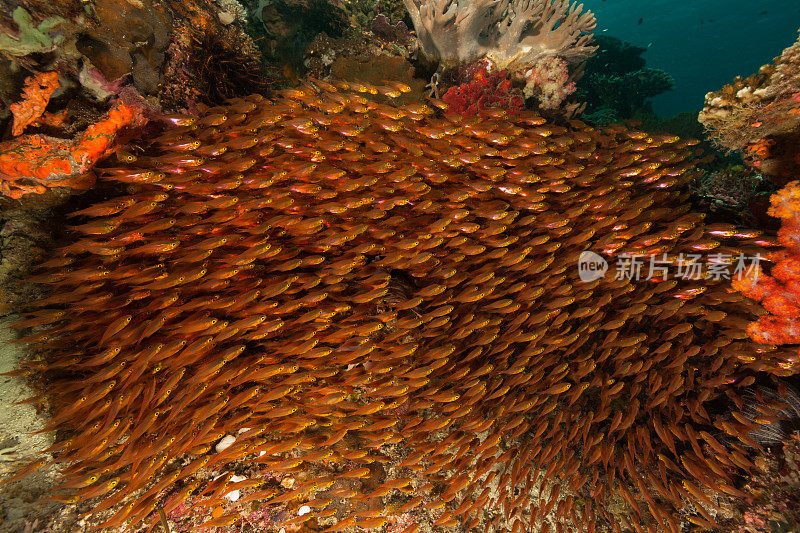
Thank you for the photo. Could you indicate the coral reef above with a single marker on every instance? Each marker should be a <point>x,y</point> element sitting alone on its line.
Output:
<point>760,116</point>
<point>762,106</point>
<point>130,39</point>
<point>775,492</point>
<point>532,43</point>
<point>616,83</point>
<point>549,80</point>
<point>225,63</point>
<point>285,28</point>
<point>363,14</point>
<point>398,33</point>
<point>314,284</point>
<point>78,59</point>
<point>730,191</point>
<point>363,60</point>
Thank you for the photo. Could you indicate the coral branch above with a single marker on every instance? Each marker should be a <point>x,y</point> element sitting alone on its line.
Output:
<point>35,95</point>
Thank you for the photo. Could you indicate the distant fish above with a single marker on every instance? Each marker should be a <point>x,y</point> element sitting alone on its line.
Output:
<point>640,21</point>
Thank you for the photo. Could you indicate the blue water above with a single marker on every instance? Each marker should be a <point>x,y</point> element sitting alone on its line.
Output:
<point>703,44</point>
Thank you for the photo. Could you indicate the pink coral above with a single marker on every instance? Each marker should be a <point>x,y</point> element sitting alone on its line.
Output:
<point>549,80</point>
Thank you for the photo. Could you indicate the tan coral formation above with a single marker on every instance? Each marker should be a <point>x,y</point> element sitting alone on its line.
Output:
<point>514,34</point>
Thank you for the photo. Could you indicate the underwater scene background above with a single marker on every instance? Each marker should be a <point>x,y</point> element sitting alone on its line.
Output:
<point>700,43</point>
<point>399,266</point>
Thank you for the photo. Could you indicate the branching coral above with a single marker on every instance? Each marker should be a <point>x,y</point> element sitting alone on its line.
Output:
<point>515,35</point>
<point>329,277</point>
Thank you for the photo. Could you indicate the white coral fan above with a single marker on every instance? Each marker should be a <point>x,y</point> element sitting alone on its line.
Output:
<point>514,34</point>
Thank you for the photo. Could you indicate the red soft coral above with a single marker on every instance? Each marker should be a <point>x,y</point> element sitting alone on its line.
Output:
<point>485,88</point>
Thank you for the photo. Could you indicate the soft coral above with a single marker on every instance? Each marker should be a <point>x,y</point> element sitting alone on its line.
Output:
<point>485,87</point>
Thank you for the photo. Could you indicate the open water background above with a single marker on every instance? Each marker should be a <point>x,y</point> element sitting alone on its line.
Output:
<point>703,44</point>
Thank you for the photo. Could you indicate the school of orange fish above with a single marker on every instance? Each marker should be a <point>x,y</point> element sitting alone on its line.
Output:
<point>303,269</point>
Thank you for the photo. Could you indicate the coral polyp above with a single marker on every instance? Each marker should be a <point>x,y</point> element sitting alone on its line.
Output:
<point>330,275</point>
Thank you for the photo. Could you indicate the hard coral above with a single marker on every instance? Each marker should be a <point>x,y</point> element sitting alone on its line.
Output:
<point>32,163</point>
<point>289,272</point>
<point>36,93</point>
